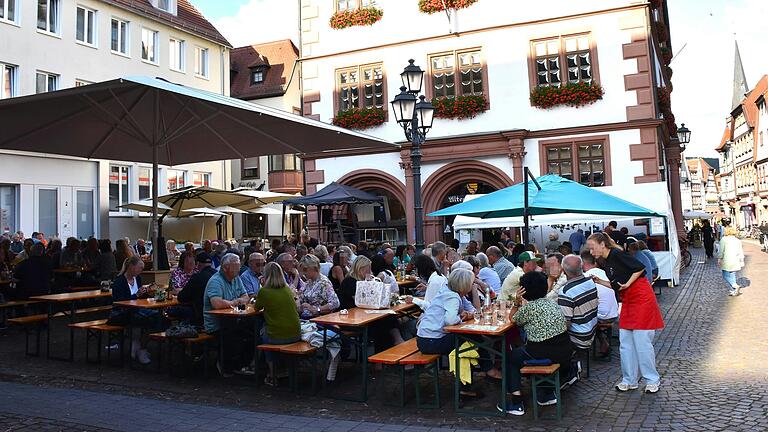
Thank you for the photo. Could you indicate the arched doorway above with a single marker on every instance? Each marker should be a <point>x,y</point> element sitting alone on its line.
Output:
<point>465,175</point>
<point>382,222</point>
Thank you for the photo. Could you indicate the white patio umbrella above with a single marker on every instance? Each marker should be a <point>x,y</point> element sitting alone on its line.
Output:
<point>274,211</point>
<point>144,205</point>
<point>203,212</point>
<point>151,120</point>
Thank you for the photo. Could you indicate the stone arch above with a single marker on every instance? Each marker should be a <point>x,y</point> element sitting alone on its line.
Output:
<point>373,178</point>
<point>448,177</point>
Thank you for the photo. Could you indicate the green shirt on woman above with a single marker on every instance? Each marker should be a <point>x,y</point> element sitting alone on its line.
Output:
<point>279,312</point>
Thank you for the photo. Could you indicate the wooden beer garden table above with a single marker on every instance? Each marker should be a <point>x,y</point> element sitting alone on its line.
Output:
<point>229,313</point>
<point>145,303</point>
<point>361,319</point>
<point>71,299</point>
<point>489,337</point>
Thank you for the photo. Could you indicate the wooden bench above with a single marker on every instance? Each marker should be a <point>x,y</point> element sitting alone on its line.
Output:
<point>27,323</point>
<point>95,329</point>
<point>547,375</point>
<point>294,351</point>
<point>404,354</point>
<point>203,339</point>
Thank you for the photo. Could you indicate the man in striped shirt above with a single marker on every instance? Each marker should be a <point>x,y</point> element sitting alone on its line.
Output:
<point>579,301</point>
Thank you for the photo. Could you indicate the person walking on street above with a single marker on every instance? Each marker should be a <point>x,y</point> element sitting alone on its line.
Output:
<point>730,258</point>
<point>639,318</point>
<point>708,236</point>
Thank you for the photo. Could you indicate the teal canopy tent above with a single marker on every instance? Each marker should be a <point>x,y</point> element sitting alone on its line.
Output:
<point>546,195</point>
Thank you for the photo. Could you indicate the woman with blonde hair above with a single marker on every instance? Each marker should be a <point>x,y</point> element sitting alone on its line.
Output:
<point>282,320</point>
<point>127,286</point>
<point>640,316</point>
<point>384,332</point>
<point>730,259</point>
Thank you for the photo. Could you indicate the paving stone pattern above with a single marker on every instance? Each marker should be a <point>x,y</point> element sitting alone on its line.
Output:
<point>711,356</point>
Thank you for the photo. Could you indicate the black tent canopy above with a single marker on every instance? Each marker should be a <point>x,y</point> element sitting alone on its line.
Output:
<point>334,194</point>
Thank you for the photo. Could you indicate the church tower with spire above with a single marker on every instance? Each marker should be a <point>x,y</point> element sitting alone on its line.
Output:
<point>740,87</point>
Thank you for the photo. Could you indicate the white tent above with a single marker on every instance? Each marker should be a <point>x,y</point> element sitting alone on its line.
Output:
<point>653,196</point>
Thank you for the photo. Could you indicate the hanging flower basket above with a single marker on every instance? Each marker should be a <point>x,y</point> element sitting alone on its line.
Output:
<point>664,97</point>
<point>666,55</point>
<point>574,95</point>
<point>357,118</point>
<point>432,6</point>
<point>461,107</point>
<point>662,33</point>
<point>357,17</point>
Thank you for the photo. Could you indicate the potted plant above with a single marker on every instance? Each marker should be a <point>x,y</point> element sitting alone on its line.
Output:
<point>360,118</point>
<point>356,17</point>
<point>460,107</point>
<point>571,94</point>
<point>432,6</point>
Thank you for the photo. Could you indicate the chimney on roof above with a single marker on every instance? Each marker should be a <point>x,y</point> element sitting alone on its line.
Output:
<point>740,87</point>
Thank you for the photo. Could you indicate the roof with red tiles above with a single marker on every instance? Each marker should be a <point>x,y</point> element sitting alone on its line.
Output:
<point>726,137</point>
<point>277,59</point>
<point>187,18</point>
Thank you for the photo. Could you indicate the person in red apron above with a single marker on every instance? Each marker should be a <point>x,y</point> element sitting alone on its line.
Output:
<point>639,318</point>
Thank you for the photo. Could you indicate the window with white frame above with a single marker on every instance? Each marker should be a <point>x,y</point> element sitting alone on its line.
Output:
<point>177,179</point>
<point>85,30</point>
<point>201,62</point>
<point>48,12</point>
<point>250,168</point>
<point>176,54</point>
<point>119,187</point>
<point>8,80</point>
<point>169,6</point>
<point>46,82</point>
<point>145,183</point>
<point>8,10</point>
<point>201,179</point>
<point>149,45</point>
<point>119,36</point>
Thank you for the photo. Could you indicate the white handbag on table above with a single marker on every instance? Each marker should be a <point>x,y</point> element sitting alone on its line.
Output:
<point>372,294</point>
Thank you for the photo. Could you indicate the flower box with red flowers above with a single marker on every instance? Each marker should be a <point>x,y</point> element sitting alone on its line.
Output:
<point>357,17</point>
<point>575,95</point>
<point>433,6</point>
<point>360,118</point>
<point>461,107</point>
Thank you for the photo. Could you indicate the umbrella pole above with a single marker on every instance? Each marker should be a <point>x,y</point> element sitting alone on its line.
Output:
<point>282,225</point>
<point>526,238</point>
<point>155,193</point>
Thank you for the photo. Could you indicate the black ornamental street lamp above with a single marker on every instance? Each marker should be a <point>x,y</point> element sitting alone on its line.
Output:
<point>684,136</point>
<point>416,119</point>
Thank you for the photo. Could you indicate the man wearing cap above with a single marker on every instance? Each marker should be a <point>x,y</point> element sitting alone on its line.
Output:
<point>192,294</point>
<point>527,262</point>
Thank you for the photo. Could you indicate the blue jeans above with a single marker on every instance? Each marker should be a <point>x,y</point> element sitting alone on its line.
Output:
<point>637,352</point>
<point>730,277</point>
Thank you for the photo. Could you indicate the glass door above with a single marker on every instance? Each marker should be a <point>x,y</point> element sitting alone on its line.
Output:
<point>48,212</point>
<point>84,223</point>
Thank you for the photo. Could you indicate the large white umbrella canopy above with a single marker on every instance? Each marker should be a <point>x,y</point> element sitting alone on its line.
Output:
<point>261,198</point>
<point>144,205</point>
<point>274,211</point>
<point>230,210</point>
<point>142,119</point>
<point>204,211</point>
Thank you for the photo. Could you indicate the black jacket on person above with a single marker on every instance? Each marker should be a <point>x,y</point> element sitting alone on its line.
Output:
<point>34,277</point>
<point>193,292</point>
<point>120,289</point>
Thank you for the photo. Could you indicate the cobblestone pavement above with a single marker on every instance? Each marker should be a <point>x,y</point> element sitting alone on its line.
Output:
<point>711,356</point>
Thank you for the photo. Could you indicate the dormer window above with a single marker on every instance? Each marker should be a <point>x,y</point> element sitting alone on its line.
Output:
<point>258,74</point>
<point>165,5</point>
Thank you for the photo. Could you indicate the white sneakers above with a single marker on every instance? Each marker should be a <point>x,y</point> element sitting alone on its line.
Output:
<point>137,353</point>
<point>143,357</point>
<point>649,388</point>
<point>624,387</point>
<point>652,388</point>
<point>735,291</point>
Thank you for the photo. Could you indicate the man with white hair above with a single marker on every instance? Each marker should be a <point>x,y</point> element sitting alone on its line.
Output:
<point>252,276</point>
<point>442,282</point>
<point>579,301</point>
<point>225,291</point>
<point>439,254</point>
